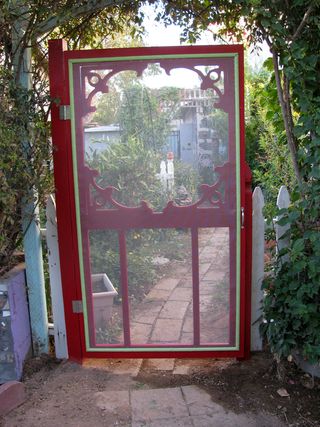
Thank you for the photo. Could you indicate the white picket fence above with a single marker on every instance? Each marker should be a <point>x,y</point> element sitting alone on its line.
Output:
<point>258,250</point>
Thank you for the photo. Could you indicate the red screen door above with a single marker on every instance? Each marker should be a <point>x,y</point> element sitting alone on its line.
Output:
<point>149,166</point>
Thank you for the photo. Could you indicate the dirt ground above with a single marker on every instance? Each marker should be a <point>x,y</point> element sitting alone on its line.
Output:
<point>62,393</point>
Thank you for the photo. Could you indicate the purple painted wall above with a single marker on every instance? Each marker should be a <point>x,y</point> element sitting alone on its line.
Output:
<point>20,322</point>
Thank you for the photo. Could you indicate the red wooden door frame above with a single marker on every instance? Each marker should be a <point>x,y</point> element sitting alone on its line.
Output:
<point>66,210</point>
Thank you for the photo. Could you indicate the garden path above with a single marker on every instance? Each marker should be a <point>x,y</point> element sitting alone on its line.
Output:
<point>166,314</point>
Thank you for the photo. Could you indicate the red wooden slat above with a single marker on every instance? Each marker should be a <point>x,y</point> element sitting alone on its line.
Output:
<point>195,286</point>
<point>124,287</point>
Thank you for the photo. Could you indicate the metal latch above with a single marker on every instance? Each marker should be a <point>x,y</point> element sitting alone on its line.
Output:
<point>77,306</point>
<point>242,217</point>
<point>64,112</point>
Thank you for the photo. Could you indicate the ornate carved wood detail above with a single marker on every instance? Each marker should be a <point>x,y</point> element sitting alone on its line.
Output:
<point>102,199</point>
<point>214,78</point>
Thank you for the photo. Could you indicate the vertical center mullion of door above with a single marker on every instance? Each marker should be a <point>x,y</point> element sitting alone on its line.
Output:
<point>124,287</point>
<point>195,286</point>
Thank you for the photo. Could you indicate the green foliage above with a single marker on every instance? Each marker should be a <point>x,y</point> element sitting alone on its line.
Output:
<point>292,105</point>
<point>131,169</point>
<point>186,175</point>
<point>266,149</point>
<point>136,108</point>
<point>25,173</point>
<point>292,301</point>
<point>25,151</point>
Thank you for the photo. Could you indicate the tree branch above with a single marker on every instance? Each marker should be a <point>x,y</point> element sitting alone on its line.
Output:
<point>285,110</point>
<point>302,23</point>
<point>60,19</point>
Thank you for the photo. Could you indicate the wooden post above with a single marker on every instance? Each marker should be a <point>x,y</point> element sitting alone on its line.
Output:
<point>257,267</point>
<point>248,266</point>
<point>60,335</point>
<point>30,216</point>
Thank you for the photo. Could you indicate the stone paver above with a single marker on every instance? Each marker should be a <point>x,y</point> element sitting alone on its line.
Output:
<point>199,402</point>
<point>161,364</point>
<point>216,275</point>
<point>174,310</point>
<point>181,294</point>
<point>186,338</point>
<point>116,402</point>
<point>189,406</point>
<point>158,294</point>
<point>151,405</point>
<point>188,324</point>
<point>185,283</point>
<point>169,422</point>
<point>165,316</point>
<point>167,283</point>
<point>140,333</point>
<point>181,370</point>
<point>204,267</point>
<point>148,311</point>
<point>166,330</point>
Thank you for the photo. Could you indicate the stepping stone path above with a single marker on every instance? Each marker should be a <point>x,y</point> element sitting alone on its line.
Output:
<point>165,316</point>
<point>186,406</point>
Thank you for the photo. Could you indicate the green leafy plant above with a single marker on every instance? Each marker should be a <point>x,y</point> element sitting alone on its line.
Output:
<point>24,166</point>
<point>292,301</point>
<point>290,30</point>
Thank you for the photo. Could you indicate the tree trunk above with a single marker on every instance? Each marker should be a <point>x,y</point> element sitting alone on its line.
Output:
<point>286,115</point>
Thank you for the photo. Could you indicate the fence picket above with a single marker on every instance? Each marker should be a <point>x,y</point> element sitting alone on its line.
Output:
<point>258,225</point>
<point>283,202</point>
<point>60,336</point>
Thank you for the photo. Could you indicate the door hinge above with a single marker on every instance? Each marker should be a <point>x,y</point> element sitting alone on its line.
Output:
<point>77,306</point>
<point>64,112</point>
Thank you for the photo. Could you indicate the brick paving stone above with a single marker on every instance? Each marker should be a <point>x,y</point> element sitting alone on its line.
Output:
<point>140,333</point>
<point>174,310</point>
<point>166,330</point>
<point>167,283</point>
<point>152,405</point>
<point>181,294</point>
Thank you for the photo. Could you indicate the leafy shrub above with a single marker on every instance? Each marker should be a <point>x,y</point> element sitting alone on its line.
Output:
<point>24,168</point>
<point>292,302</point>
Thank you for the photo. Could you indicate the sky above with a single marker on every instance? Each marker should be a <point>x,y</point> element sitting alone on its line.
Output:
<point>159,35</point>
